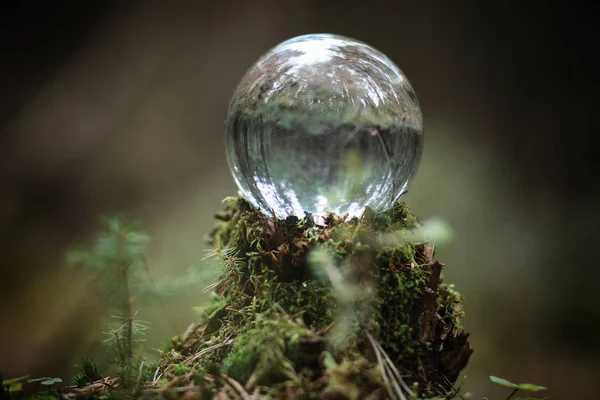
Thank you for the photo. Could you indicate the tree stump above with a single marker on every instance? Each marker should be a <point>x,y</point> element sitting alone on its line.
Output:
<point>339,310</point>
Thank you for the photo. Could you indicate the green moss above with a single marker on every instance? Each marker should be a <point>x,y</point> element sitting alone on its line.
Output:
<point>450,306</point>
<point>261,354</point>
<point>351,379</point>
<point>397,294</point>
<point>318,312</point>
<point>180,369</point>
<point>284,321</point>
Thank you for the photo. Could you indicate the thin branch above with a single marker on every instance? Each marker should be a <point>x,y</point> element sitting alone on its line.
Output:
<point>156,377</point>
<point>236,386</point>
<point>512,394</point>
<point>207,350</point>
<point>456,391</point>
<point>384,364</point>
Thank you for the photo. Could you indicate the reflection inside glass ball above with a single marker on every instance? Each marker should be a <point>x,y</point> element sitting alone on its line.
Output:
<point>323,123</point>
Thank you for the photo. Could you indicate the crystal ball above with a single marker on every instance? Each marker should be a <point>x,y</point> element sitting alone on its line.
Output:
<point>323,123</point>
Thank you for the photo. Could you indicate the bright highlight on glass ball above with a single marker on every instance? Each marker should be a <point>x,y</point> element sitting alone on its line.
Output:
<point>323,123</point>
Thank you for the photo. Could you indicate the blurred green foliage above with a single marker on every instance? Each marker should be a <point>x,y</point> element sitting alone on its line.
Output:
<point>517,387</point>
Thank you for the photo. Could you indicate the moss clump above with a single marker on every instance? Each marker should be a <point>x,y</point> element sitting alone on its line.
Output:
<point>354,379</point>
<point>180,369</point>
<point>450,305</point>
<point>324,311</point>
<point>262,354</point>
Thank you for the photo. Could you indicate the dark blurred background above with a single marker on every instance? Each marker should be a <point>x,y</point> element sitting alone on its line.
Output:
<point>119,107</point>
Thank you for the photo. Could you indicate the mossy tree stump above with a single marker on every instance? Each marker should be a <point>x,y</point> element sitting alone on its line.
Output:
<point>347,309</point>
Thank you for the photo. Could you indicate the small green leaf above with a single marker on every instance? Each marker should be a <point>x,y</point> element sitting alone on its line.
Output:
<point>329,361</point>
<point>530,387</point>
<point>521,386</point>
<point>15,387</point>
<point>14,384</point>
<point>38,379</point>
<point>51,381</point>
<point>503,382</point>
<point>9,382</point>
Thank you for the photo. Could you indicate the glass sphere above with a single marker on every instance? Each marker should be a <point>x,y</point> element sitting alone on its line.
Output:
<point>323,123</point>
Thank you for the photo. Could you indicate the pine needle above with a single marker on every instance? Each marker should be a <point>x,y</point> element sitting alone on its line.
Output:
<point>397,388</point>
